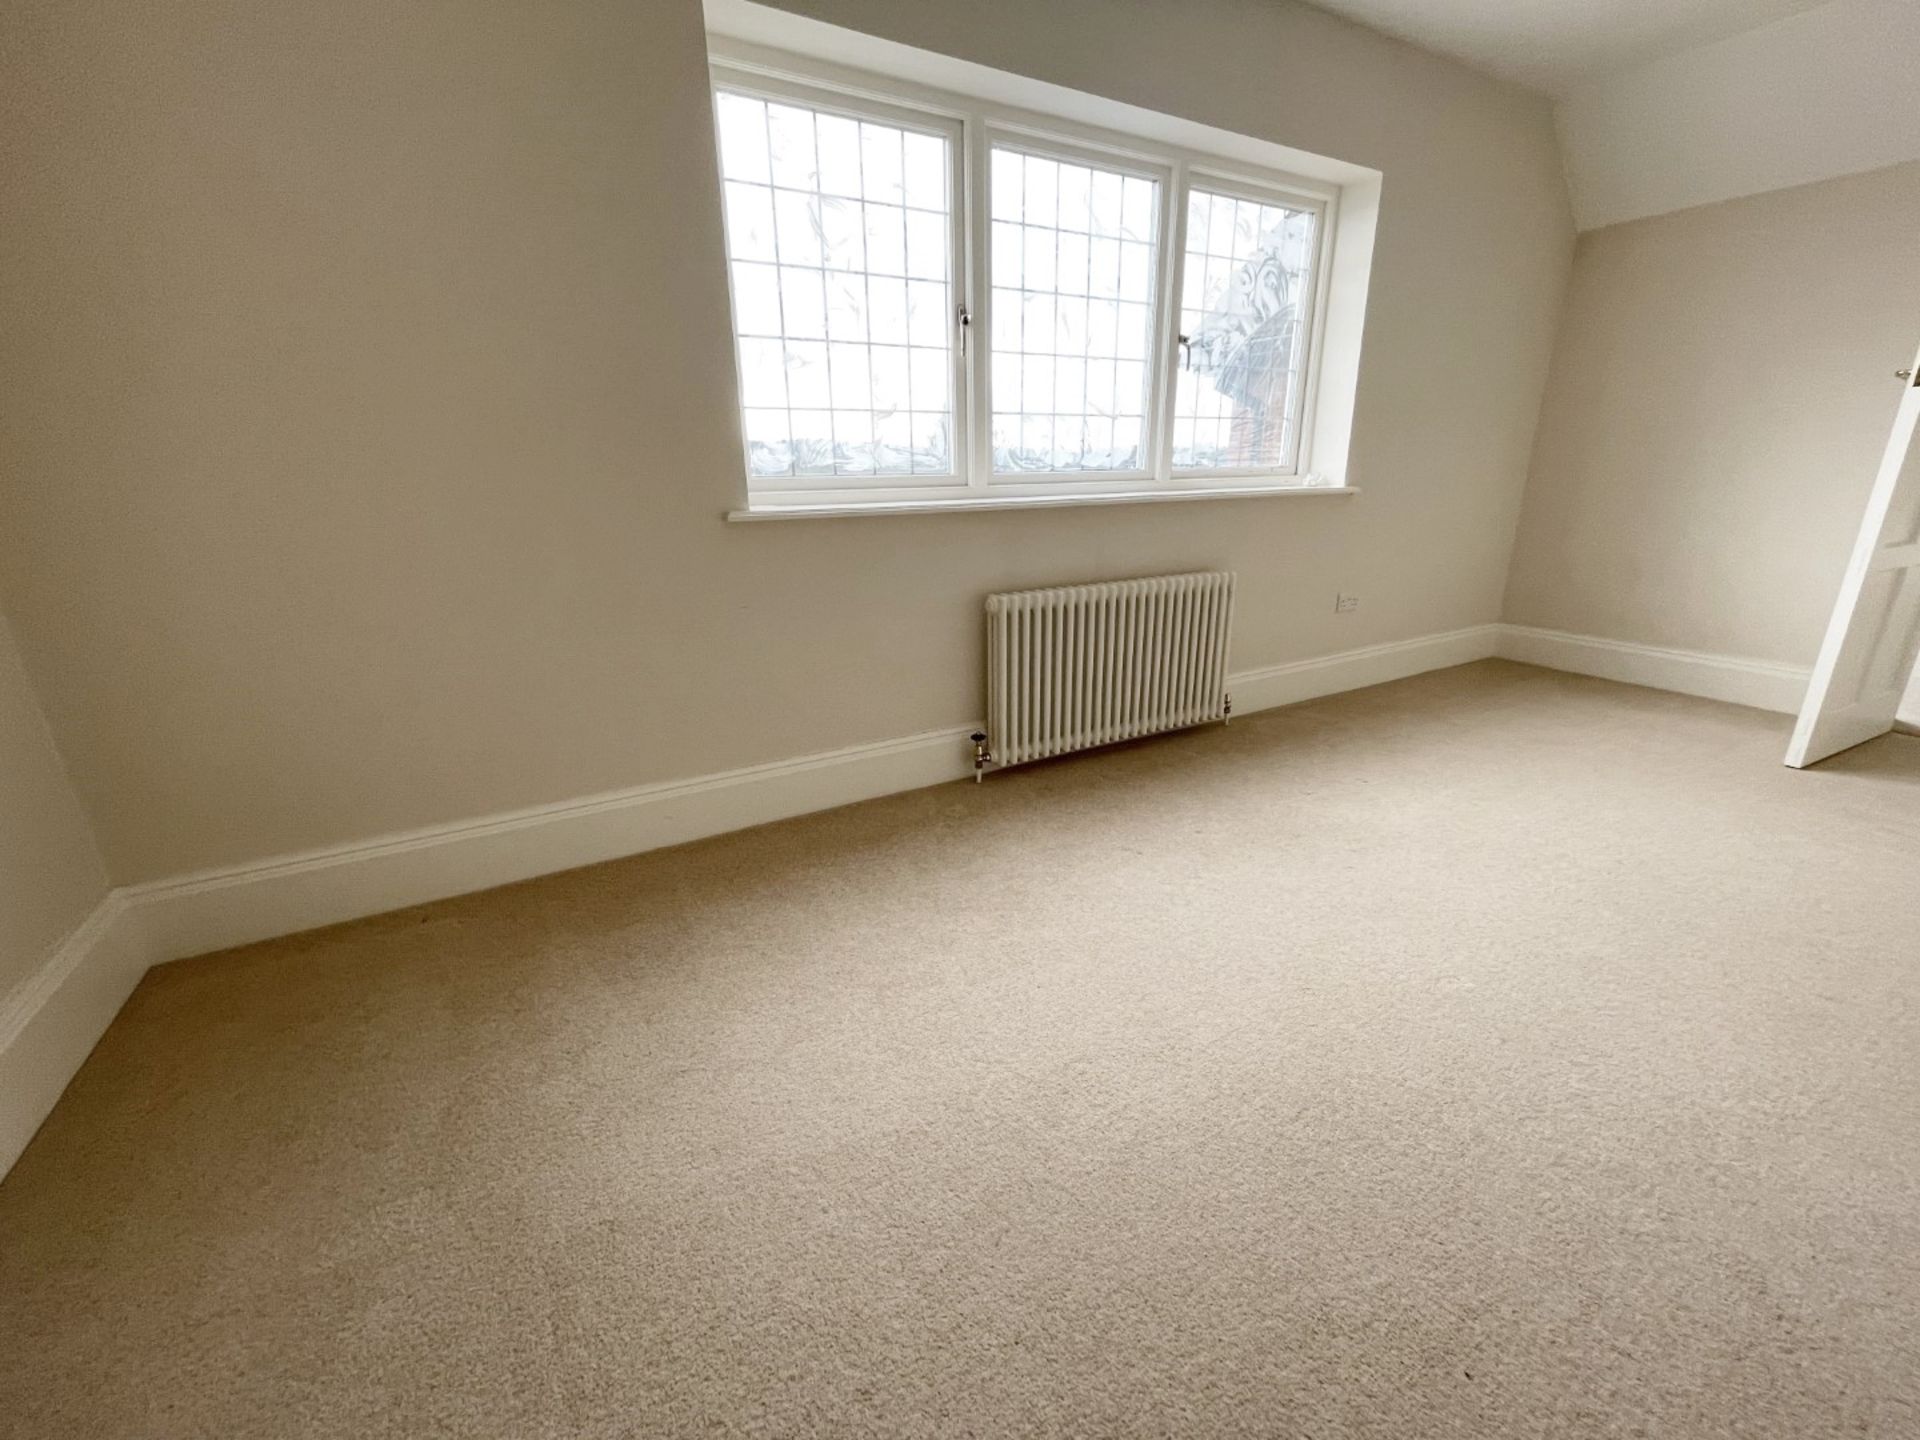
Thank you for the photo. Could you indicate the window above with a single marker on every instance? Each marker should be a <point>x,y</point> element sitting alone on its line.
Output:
<point>1245,294</point>
<point>840,239</point>
<point>1073,270</point>
<point>949,300</point>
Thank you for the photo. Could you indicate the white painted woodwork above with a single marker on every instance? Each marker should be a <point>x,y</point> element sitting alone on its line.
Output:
<point>1874,636</point>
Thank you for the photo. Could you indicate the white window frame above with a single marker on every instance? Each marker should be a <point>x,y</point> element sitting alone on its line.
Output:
<point>1265,190</point>
<point>974,126</point>
<point>838,100</point>
<point>1055,147</point>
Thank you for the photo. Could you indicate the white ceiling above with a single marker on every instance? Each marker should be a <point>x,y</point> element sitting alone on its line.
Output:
<point>1553,45</point>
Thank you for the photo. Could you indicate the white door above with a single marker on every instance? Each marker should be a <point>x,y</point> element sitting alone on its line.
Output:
<point>1874,636</point>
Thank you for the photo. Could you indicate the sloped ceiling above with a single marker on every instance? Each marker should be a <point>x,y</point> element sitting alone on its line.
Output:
<point>1554,45</point>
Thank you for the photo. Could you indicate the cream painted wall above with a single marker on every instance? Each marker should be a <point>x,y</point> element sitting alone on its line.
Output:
<point>50,873</point>
<point>370,410</point>
<point>1719,401</point>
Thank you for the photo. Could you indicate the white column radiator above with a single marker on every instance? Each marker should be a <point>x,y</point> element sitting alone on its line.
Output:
<point>1084,665</point>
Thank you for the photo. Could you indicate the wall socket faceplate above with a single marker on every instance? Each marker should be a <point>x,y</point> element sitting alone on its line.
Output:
<point>1343,604</point>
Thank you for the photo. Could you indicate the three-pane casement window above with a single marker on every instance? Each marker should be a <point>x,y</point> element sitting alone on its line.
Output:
<point>933,304</point>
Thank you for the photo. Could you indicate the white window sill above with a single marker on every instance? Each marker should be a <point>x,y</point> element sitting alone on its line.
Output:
<point>793,510</point>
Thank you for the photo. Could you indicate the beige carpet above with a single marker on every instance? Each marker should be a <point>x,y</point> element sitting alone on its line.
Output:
<point>1492,1054</point>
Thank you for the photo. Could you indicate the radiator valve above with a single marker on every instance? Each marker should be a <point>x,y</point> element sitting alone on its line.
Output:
<point>980,755</point>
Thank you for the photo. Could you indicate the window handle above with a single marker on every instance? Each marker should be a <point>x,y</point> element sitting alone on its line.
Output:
<point>1186,353</point>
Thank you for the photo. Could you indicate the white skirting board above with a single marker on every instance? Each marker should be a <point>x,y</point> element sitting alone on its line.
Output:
<point>1300,680</point>
<point>198,913</point>
<point>52,1020</point>
<point>50,1023</point>
<point>1761,684</point>
<point>223,908</point>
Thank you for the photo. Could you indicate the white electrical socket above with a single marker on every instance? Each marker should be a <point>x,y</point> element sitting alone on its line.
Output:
<point>1342,604</point>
